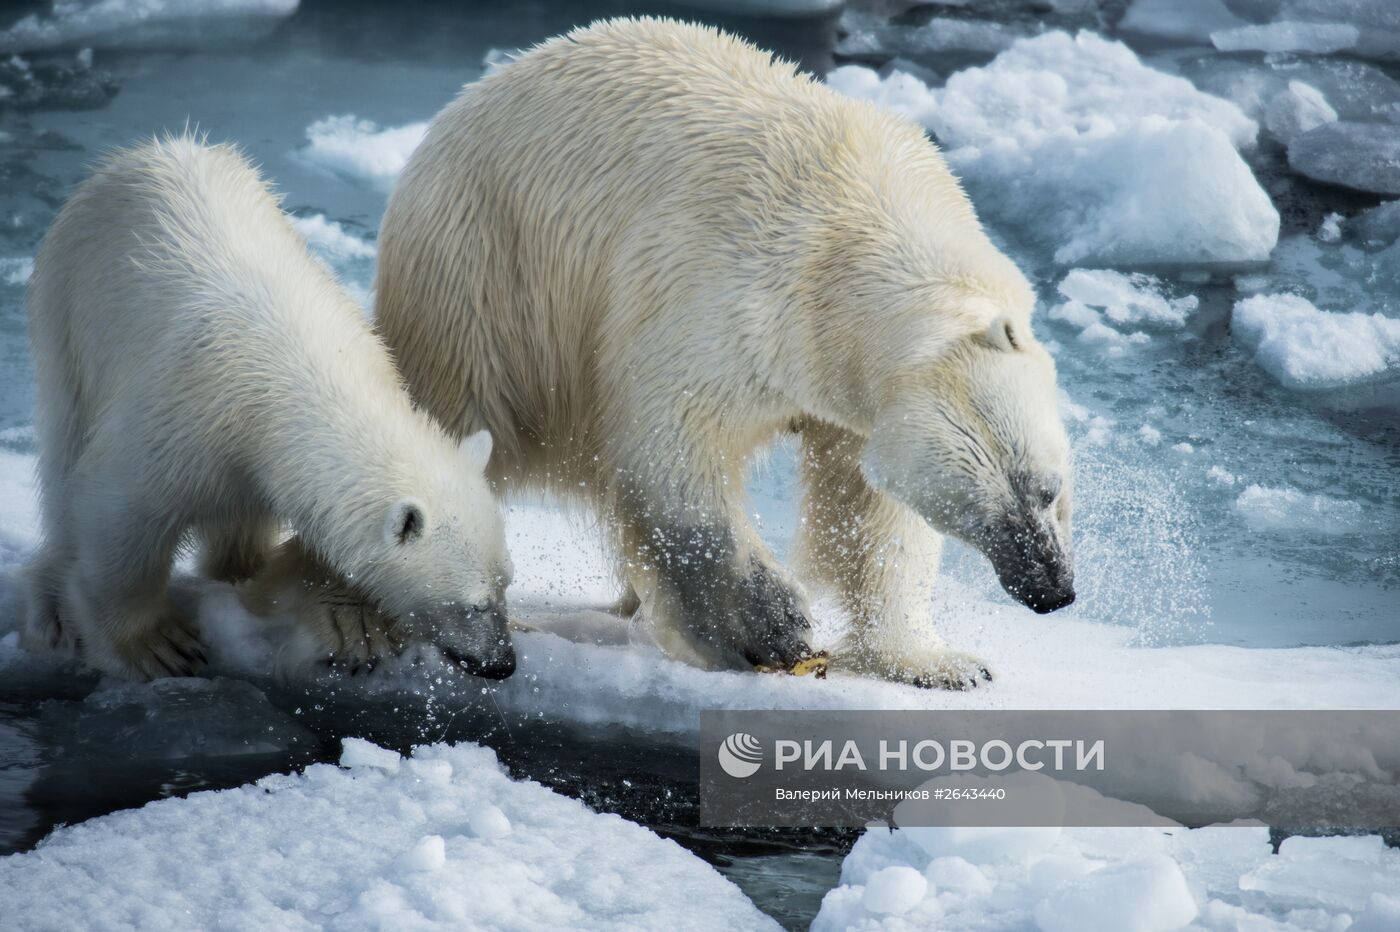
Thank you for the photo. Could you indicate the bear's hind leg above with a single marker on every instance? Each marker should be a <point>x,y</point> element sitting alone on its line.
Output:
<point>336,625</point>
<point>236,551</point>
<point>881,559</point>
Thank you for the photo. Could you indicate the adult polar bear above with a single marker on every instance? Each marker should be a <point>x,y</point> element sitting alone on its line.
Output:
<point>642,250</point>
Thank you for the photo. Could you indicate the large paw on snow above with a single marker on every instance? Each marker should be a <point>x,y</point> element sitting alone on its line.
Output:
<point>168,647</point>
<point>950,669</point>
<point>929,669</point>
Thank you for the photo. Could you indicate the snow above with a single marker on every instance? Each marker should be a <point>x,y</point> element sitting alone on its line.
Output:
<point>1364,156</point>
<point>1315,38</point>
<point>1305,348</point>
<point>144,23</point>
<point>365,846</point>
<point>1117,162</point>
<point>361,151</point>
<point>1286,509</point>
<point>1296,109</point>
<point>1183,20</point>
<point>1214,878</point>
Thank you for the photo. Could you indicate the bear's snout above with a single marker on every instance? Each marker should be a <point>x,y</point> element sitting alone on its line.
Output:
<point>1031,564</point>
<point>478,640</point>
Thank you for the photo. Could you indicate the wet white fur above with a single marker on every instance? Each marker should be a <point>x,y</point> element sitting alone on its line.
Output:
<point>642,250</point>
<point>198,371</point>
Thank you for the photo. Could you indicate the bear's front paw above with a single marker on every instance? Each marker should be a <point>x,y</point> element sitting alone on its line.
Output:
<point>169,647</point>
<point>349,633</point>
<point>929,669</point>
<point>945,669</point>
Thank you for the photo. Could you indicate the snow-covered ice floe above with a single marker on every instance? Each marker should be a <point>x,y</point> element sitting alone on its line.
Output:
<point>360,150</point>
<point>1117,162</point>
<point>1145,880</point>
<point>1308,349</point>
<point>443,839</point>
<point>145,24</point>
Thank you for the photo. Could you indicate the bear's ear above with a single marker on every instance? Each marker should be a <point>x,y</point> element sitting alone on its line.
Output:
<point>477,449</point>
<point>1001,335</point>
<point>407,521</point>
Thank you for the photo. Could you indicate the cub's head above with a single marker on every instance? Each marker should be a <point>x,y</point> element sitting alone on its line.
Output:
<point>971,439</point>
<point>440,564</point>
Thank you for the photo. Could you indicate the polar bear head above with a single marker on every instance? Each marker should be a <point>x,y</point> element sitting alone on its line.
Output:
<point>437,560</point>
<point>970,437</point>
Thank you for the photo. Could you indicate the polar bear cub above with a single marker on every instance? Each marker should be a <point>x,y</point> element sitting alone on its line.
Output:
<point>201,375</point>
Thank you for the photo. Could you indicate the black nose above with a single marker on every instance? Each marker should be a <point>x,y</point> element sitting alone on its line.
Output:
<point>496,668</point>
<point>1045,603</point>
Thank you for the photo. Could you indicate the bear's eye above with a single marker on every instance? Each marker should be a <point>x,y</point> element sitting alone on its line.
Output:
<point>1011,336</point>
<point>1049,491</point>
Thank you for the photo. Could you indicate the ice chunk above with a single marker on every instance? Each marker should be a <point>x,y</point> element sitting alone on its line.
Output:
<point>1287,509</point>
<point>146,24</point>
<point>360,150</point>
<point>16,271</point>
<point>1380,224</point>
<point>1076,143</point>
<point>1364,156</point>
<point>1185,20</point>
<point>1330,231</point>
<point>1127,300</point>
<point>1297,109</point>
<point>170,719</point>
<point>1337,872</point>
<point>1220,877</point>
<point>1377,22</point>
<point>868,34</point>
<point>357,753</point>
<point>330,848</point>
<point>894,891</point>
<point>1317,38</point>
<point>330,239</point>
<point>1305,348</point>
<point>1140,896</point>
<point>1104,305</point>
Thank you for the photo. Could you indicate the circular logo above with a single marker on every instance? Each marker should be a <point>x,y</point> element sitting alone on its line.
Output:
<point>740,755</point>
